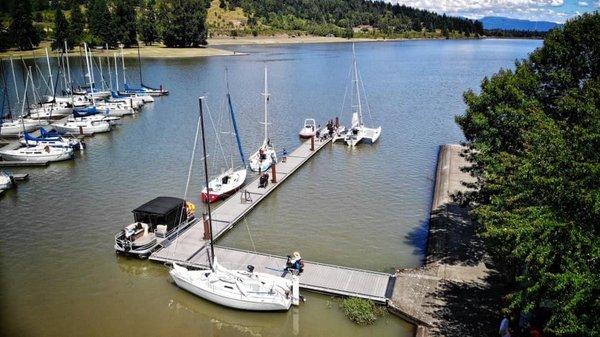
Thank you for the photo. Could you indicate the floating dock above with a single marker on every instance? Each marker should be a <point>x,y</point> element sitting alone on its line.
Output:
<point>190,248</point>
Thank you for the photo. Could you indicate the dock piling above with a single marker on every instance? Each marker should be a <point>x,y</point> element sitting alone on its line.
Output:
<point>206,227</point>
<point>312,143</point>
<point>273,173</point>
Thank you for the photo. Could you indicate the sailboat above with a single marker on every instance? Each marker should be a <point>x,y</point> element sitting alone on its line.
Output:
<point>358,132</point>
<point>13,127</point>
<point>238,289</point>
<point>39,153</point>
<point>52,139</point>
<point>231,180</point>
<point>143,89</point>
<point>265,156</point>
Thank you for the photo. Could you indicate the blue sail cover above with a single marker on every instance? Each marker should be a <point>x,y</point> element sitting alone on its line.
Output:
<point>235,129</point>
<point>130,89</point>
<point>85,112</point>
<point>45,136</point>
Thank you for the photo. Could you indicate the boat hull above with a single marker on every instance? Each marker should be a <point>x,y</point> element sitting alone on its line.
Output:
<point>13,155</point>
<point>203,290</point>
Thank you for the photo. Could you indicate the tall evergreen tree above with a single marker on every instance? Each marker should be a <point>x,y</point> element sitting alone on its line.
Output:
<point>148,23</point>
<point>124,22</point>
<point>101,23</point>
<point>21,30</point>
<point>4,38</point>
<point>61,30</point>
<point>184,24</point>
<point>77,25</point>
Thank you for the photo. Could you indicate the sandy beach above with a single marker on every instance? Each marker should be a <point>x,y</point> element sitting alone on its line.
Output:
<point>212,49</point>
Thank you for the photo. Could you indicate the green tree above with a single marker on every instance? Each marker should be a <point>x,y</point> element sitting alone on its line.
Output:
<point>23,33</point>
<point>4,38</point>
<point>534,135</point>
<point>61,30</point>
<point>148,23</point>
<point>124,22</point>
<point>101,24</point>
<point>184,23</point>
<point>77,25</point>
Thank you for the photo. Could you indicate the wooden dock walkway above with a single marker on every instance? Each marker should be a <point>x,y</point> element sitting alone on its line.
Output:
<point>226,215</point>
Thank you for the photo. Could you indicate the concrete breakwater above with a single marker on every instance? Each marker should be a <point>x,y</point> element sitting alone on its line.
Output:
<point>455,292</point>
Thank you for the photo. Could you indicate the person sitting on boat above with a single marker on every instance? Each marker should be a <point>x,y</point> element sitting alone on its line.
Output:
<point>294,262</point>
<point>261,154</point>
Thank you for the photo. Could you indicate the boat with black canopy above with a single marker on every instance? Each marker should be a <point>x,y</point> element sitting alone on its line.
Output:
<point>154,222</point>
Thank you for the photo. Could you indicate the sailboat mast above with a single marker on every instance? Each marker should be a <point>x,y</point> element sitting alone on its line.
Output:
<point>109,73</point>
<point>360,119</point>
<point>87,62</point>
<point>266,94</point>
<point>212,248</point>
<point>12,69</point>
<point>233,121</point>
<point>49,70</point>
<point>123,64</point>
<point>140,64</point>
<point>116,72</point>
<point>68,67</point>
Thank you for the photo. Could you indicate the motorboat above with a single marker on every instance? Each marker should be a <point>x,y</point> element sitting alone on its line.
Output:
<point>40,153</point>
<point>237,289</point>
<point>82,126</point>
<point>265,156</point>
<point>358,132</point>
<point>6,181</point>
<point>309,129</point>
<point>224,185</point>
<point>154,222</point>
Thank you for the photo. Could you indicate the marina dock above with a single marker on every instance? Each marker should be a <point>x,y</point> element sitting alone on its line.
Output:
<point>229,212</point>
<point>190,247</point>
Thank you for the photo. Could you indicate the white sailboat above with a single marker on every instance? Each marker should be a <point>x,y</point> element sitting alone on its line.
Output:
<point>43,153</point>
<point>265,156</point>
<point>358,132</point>
<point>82,125</point>
<point>14,127</point>
<point>232,179</point>
<point>238,289</point>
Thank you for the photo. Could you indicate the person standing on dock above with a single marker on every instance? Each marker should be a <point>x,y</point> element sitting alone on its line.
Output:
<point>284,155</point>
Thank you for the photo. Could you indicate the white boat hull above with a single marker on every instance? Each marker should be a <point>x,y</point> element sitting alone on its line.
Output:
<point>212,288</point>
<point>87,127</point>
<point>37,154</point>
<point>13,129</point>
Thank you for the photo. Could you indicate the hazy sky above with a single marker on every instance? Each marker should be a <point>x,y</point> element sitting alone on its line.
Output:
<point>548,10</point>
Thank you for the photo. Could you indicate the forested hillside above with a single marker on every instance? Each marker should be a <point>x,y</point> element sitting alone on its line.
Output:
<point>343,17</point>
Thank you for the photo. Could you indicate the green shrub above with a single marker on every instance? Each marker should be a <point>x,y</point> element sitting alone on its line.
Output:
<point>361,311</point>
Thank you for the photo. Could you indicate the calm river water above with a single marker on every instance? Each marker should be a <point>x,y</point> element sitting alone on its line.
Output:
<point>364,208</point>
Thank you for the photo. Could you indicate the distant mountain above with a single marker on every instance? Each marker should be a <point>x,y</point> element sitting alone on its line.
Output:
<point>498,22</point>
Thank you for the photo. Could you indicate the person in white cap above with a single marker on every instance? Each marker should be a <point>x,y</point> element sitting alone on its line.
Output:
<point>294,262</point>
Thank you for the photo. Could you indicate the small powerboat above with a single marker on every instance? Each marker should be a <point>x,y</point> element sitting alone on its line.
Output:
<point>224,185</point>
<point>154,222</point>
<point>309,130</point>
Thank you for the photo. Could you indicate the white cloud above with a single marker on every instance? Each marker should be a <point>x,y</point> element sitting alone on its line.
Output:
<point>475,9</point>
<point>582,3</point>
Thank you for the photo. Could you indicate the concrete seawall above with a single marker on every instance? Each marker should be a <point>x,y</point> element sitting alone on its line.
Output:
<point>438,297</point>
